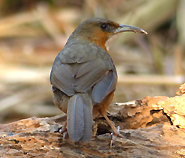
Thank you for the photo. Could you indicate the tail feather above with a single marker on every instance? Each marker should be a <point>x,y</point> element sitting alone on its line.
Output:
<point>79,121</point>
<point>87,134</point>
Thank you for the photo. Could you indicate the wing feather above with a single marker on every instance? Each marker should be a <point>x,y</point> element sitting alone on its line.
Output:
<point>104,87</point>
<point>71,78</point>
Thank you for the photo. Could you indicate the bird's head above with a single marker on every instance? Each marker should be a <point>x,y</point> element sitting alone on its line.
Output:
<point>99,30</point>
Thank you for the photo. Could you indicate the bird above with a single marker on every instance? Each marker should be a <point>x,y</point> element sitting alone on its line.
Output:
<point>84,77</point>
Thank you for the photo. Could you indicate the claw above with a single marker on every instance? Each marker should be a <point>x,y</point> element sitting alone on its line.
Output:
<point>114,136</point>
<point>64,136</point>
<point>63,130</point>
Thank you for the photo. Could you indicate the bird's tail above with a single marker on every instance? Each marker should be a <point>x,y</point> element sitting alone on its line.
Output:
<point>79,117</point>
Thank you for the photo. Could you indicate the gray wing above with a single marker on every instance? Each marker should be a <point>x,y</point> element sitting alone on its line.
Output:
<point>105,86</point>
<point>77,77</point>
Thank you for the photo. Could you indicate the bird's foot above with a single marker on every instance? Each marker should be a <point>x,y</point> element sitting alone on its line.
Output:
<point>114,135</point>
<point>63,130</point>
<point>64,135</point>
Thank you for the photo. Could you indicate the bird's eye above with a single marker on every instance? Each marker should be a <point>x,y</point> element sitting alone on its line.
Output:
<point>103,26</point>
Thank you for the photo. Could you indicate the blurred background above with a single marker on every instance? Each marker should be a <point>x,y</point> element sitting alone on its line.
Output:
<point>33,32</point>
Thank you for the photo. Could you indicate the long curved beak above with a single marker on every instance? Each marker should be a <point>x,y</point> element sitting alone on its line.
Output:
<point>129,28</point>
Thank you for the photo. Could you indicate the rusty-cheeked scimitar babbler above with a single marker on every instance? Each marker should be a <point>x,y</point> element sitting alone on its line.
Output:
<point>84,77</point>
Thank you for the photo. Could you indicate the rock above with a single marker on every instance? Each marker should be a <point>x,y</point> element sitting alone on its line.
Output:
<point>152,127</point>
<point>181,89</point>
<point>174,107</point>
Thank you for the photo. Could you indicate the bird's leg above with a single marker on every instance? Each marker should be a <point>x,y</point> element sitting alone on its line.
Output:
<point>115,133</point>
<point>103,111</point>
<point>63,130</point>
